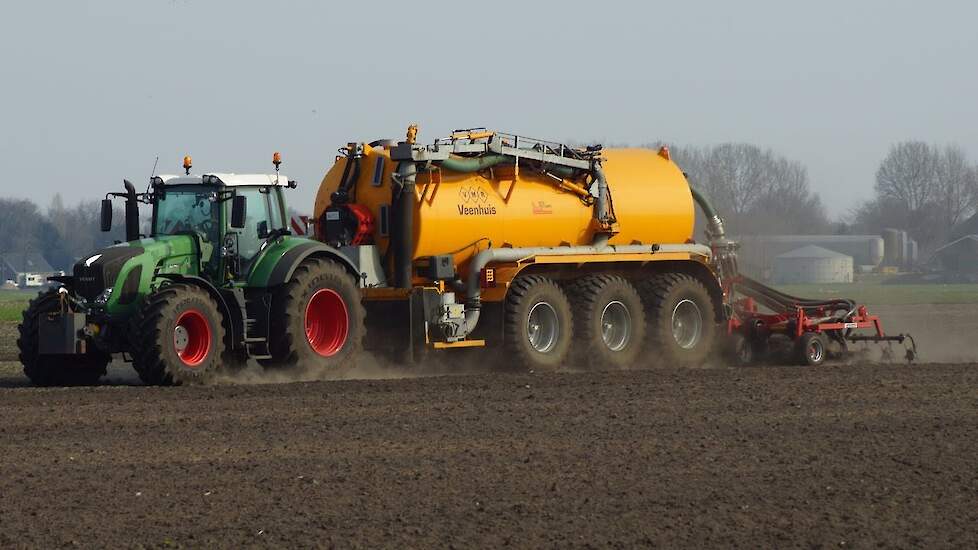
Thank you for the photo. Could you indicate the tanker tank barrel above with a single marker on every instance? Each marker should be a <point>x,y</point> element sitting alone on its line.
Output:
<point>541,203</point>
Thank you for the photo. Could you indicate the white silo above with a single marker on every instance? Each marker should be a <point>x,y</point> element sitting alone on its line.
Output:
<point>812,264</point>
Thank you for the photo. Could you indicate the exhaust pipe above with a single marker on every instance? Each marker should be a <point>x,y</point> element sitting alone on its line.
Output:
<point>132,212</point>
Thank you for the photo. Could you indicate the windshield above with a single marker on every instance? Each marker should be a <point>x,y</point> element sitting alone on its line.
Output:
<point>188,208</point>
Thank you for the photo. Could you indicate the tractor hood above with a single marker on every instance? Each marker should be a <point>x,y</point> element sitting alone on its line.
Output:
<point>128,268</point>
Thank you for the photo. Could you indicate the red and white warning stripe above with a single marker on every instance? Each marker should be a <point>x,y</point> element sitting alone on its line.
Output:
<point>300,225</point>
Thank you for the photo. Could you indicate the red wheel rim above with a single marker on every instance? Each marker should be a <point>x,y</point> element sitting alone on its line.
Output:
<point>327,323</point>
<point>192,337</point>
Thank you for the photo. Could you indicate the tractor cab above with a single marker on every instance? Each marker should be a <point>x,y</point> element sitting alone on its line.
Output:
<point>230,216</point>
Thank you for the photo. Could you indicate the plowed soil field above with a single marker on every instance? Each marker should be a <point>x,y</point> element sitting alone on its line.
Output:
<point>770,457</point>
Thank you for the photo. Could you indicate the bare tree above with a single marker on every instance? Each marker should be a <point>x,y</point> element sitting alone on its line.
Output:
<point>908,174</point>
<point>922,188</point>
<point>957,186</point>
<point>756,190</point>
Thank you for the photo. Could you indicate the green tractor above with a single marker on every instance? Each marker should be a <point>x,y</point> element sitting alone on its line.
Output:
<point>219,280</point>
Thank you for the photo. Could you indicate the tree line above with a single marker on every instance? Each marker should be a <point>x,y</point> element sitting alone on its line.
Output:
<point>923,188</point>
<point>60,234</point>
<point>757,191</point>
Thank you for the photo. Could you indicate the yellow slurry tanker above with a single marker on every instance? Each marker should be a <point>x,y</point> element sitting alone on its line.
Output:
<point>556,254</point>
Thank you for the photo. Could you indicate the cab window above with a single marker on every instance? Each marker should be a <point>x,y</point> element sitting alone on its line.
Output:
<point>189,208</point>
<point>262,216</point>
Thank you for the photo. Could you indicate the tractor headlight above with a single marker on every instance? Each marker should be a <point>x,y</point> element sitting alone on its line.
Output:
<point>103,298</point>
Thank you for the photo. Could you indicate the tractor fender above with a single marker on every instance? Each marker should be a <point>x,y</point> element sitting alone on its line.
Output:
<point>287,264</point>
<point>232,314</point>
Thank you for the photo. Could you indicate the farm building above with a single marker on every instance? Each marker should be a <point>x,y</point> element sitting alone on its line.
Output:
<point>812,264</point>
<point>26,269</point>
<point>868,252</point>
<point>960,255</point>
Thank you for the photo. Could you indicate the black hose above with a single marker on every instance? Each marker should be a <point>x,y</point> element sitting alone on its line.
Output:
<point>780,301</point>
<point>347,181</point>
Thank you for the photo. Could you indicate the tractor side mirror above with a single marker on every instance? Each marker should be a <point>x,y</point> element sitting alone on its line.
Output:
<point>106,218</point>
<point>239,211</point>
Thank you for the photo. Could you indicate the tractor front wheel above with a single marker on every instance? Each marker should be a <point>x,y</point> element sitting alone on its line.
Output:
<point>317,321</point>
<point>178,336</point>
<point>55,370</point>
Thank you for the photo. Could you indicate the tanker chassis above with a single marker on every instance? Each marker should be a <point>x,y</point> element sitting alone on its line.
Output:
<point>555,254</point>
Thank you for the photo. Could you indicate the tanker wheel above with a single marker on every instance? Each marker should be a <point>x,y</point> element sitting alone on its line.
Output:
<point>681,320</point>
<point>538,324</point>
<point>609,322</point>
<point>54,370</point>
<point>178,336</point>
<point>317,320</point>
<point>740,350</point>
<point>812,349</point>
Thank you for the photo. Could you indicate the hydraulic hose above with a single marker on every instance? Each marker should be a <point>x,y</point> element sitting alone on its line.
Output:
<point>714,222</point>
<point>779,301</point>
<point>467,165</point>
<point>565,172</point>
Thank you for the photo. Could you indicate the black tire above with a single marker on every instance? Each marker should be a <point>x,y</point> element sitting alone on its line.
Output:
<point>667,295</point>
<point>609,320</point>
<point>740,350</point>
<point>55,370</point>
<point>551,347</point>
<point>178,336</point>
<point>811,349</point>
<point>324,286</point>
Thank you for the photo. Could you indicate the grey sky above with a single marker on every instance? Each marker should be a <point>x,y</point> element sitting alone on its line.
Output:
<point>93,91</point>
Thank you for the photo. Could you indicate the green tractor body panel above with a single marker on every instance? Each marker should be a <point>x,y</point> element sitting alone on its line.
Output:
<point>276,264</point>
<point>261,274</point>
<point>168,254</point>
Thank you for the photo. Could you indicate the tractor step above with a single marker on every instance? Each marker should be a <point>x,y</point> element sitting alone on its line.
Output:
<point>255,340</point>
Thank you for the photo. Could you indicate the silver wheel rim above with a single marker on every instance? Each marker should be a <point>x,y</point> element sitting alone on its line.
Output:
<point>815,350</point>
<point>542,327</point>
<point>616,325</point>
<point>180,338</point>
<point>687,324</point>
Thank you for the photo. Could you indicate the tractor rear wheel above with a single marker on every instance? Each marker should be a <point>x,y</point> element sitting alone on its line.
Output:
<point>538,324</point>
<point>682,320</point>
<point>609,322</point>
<point>55,370</point>
<point>177,336</point>
<point>317,321</point>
